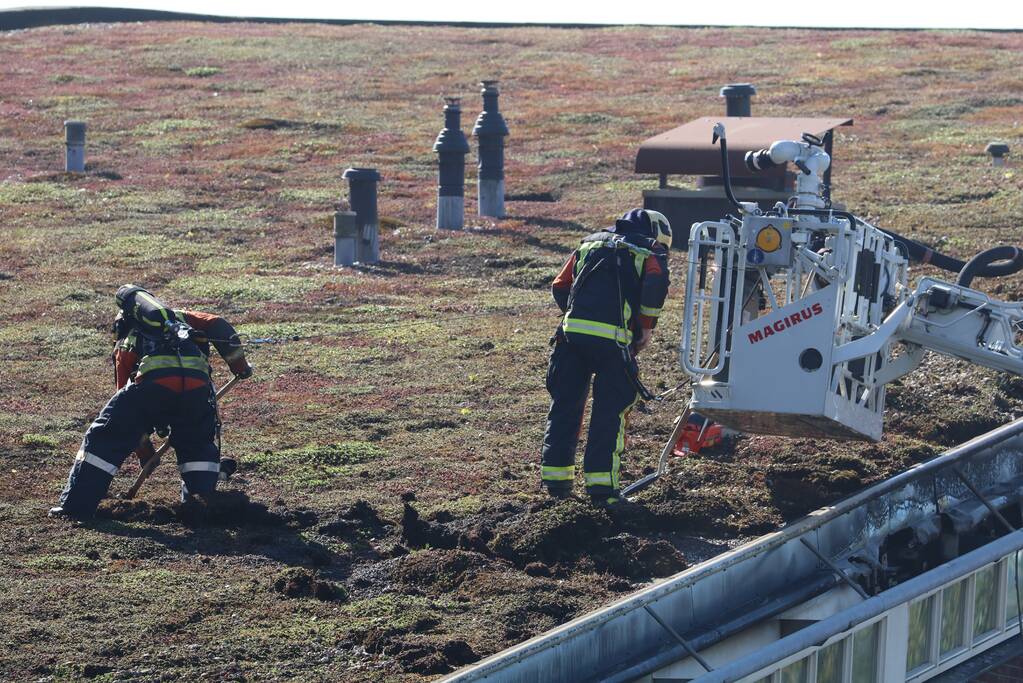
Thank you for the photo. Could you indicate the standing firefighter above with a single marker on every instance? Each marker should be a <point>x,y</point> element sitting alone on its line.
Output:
<point>611,291</point>
<point>162,374</point>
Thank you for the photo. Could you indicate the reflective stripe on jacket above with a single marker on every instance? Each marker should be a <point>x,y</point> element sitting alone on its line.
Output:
<point>182,368</point>
<point>612,284</point>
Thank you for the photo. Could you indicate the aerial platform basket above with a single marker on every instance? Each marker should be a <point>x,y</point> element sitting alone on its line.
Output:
<point>761,328</point>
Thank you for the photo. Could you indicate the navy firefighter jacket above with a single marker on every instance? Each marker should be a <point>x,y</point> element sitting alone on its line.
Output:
<point>612,284</point>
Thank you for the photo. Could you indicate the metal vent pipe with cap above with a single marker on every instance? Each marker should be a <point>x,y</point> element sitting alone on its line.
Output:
<point>362,193</point>
<point>74,146</point>
<point>491,131</point>
<point>451,148</point>
<point>997,151</point>
<point>737,98</point>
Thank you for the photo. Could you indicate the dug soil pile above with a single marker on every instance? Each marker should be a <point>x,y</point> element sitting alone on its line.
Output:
<point>225,509</point>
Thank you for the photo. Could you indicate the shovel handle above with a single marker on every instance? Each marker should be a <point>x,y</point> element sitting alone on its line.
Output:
<point>662,463</point>
<point>154,461</point>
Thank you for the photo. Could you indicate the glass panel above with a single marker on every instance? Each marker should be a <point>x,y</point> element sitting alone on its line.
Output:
<point>919,653</point>
<point>864,656</point>
<point>829,663</point>
<point>985,601</point>
<point>795,672</point>
<point>1011,603</point>
<point>953,616</point>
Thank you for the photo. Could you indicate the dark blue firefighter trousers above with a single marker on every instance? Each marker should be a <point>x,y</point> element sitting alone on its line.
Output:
<point>575,361</point>
<point>133,412</point>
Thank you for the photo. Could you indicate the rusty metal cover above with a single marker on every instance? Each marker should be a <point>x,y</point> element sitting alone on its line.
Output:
<point>688,150</point>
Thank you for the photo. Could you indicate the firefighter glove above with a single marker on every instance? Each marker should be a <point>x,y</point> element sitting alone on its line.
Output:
<point>241,368</point>
<point>643,339</point>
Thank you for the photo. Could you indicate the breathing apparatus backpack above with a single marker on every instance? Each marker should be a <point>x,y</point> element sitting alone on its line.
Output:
<point>612,258</point>
<point>157,323</point>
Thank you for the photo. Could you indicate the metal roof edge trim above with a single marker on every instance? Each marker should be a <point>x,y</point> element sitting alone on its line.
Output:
<point>847,619</point>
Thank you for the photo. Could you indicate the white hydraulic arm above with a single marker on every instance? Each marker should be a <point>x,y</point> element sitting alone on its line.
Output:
<point>953,320</point>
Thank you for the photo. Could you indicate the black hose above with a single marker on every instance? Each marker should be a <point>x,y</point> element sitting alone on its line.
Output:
<point>995,262</point>
<point>924,254</point>
<point>726,177</point>
<point>913,250</point>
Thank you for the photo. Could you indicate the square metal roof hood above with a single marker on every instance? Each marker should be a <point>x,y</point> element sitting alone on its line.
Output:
<point>687,150</point>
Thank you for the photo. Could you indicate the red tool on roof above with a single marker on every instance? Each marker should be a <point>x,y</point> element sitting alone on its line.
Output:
<point>699,432</point>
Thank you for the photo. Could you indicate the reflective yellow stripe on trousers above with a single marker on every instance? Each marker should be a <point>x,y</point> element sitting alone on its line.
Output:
<point>611,478</point>
<point>616,457</point>
<point>550,473</point>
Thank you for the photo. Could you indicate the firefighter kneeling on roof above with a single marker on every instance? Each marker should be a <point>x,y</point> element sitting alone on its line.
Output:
<point>611,291</point>
<point>162,375</point>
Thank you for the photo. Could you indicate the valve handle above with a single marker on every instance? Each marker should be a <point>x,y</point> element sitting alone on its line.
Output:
<point>811,139</point>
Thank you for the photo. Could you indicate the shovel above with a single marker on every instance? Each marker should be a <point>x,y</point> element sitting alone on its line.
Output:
<point>662,464</point>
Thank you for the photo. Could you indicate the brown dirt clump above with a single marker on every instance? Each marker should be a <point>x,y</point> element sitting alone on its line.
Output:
<point>641,559</point>
<point>227,509</point>
<point>415,655</point>
<point>418,533</point>
<point>303,518</point>
<point>709,510</point>
<point>223,508</point>
<point>297,582</point>
<point>757,483</point>
<point>445,530</point>
<point>543,608</point>
<point>438,571</point>
<point>552,533</point>
<point>802,483</point>
<point>547,539</point>
<point>537,569</point>
<point>360,518</point>
<point>136,511</point>
<point>950,401</point>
